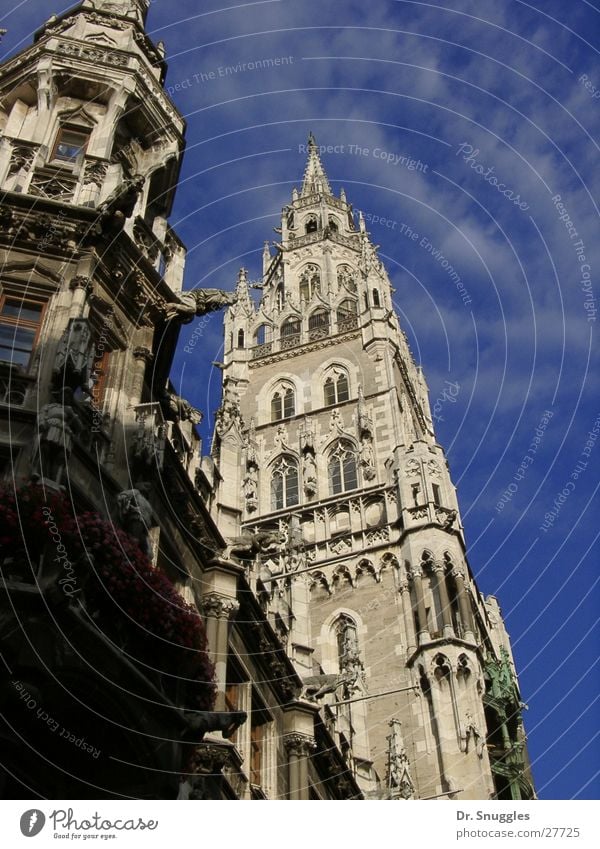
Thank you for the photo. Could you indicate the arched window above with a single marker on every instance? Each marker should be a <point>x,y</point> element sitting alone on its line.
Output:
<point>312,224</point>
<point>376,298</point>
<point>260,337</point>
<point>346,635</point>
<point>283,403</point>
<point>346,315</point>
<point>240,338</point>
<point>290,333</point>
<point>284,483</point>
<point>342,468</point>
<point>336,387</point>
<point>333,225</point>
<point>345,277</point>
<point>318,324</point>
<point>310,281</point>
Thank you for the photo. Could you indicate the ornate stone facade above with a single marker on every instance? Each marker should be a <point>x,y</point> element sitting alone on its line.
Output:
<point>345,452</point>
<point>91,277</point>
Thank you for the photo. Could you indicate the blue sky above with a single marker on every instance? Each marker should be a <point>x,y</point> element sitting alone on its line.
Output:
<point>477,92</point>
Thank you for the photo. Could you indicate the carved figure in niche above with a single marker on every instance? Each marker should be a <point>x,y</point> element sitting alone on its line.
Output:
<point>309,474</point>
<point>57,424</point>
<point>307,436</point>
<point>229,411</point>
<point>250,488</point>
<point>350,661</point>
<point>71,363</point>
<point>200,302</point>
<point>136,517</point>
<point>470,731</point>
<point>367,458</point>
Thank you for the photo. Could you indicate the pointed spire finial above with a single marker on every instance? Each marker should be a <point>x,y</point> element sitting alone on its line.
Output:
<point>315,178</point>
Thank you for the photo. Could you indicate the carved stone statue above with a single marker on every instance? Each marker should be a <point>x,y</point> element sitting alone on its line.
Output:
<point>119,205</point>
<point>175,408</point>
<point>57,424</point>
<point>316,686</point>
<point>247,546</point>
<point>250,487</point>
<point>136,517</point>
<point>72,360</point>
<point>470,731</point>
<point>367,458</point>
<point>309,475</point>
<point>200,302</point>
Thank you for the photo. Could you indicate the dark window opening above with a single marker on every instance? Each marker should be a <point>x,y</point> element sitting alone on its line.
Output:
<point>20,322</point>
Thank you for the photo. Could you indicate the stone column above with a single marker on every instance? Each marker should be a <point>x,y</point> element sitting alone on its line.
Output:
<point>217,610</point>
<point>423,633</point>
<point>464,605</point>
<point>142,356</point>
<point>448,629</point>
<point>81,287</point>
<point>218,606</point>
<point>299,742</point>
<point>409,618</point>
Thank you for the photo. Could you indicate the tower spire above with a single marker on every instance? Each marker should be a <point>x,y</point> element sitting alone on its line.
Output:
<point>315,178</point>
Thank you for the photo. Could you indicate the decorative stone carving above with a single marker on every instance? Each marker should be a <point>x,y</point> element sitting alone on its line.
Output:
<point>299,744</point>
<point>470,733</point>
<point>57,424</point>
<point>81,282</point>
<point>200,302</point>
<point>95,172</point>
<point>307,436</point>
<point>250,488</point>
<point>341,545</point>
<point>22,157</point>
<point>413,468</point>
<point>309,475</point>
<point>316,686</point>
<point>229,412</point>
<point>72,360</point>
<point>398,779</point>
<point>367,458</point>
<point>217,606</point>
<point>174,407</point>
<point>136,517</point>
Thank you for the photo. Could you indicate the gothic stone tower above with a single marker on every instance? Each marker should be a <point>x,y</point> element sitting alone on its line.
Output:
<point>325,437</point>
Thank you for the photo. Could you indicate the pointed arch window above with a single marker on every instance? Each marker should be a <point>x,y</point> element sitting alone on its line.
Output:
<point>342,468</point>
<point>310,281</point>
<point>376,298</point>
<point>290,333</point>
<point>283,403</point>
<point>240,338</point>
<point>284,483</point>
<point>318,324</point>
<point>336,387</point>
<point>333,225</point>
<point>346,315</point>
<point>312,224</point>
<point>260,337</point>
